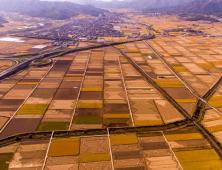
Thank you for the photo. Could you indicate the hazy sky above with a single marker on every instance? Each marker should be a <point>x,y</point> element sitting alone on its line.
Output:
<point>77,0</point>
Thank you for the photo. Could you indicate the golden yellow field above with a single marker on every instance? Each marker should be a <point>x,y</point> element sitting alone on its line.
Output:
<point>187,136</point>
<point>214,128</point>
<point>197,155</point>
<point>216,101</point>
<point>123,139</point>
<point>200,165</point>
<point>64,147</point>
<point>28,83</point>
<point>133,50</point>
<point>147,122</point>
<point>33,109</point>
<point>186,100</point>
<point>206,65</point>
<point>92,89</point>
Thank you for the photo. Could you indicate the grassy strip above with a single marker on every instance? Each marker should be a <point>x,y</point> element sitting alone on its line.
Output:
<point>199,111</point>
<point>47,135</point>
<point>25,137</point>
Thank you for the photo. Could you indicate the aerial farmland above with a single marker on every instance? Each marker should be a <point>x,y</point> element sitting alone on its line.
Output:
<point>129,103</point>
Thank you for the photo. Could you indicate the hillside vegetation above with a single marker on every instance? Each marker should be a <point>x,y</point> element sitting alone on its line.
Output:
<point>54,10</point>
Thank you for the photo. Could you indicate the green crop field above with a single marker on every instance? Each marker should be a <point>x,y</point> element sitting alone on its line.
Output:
<point>49,126</point>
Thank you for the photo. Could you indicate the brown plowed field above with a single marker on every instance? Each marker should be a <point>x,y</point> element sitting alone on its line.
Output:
<point>94,145</point>
<point>17,126</point>
<point>189,143</point>
<point>70,84</point>
<point>59,167</point>
<point>130,164</point>
<point>24,86</point>
<point>44,93</point>
<point>62,160</point>
<point>66,94</point>
<point>3,120</point>
<point>50,83</point>
<point>104,165</point>
<point>179,93</point>
<point>168,112</point>
<point>88,112</point>
<point>18,94</point>
<point>154,145</point>
<point>91,95</point>
<point>116,108</point>
<point>29,80</point>
<point>56,74</point>
<point>127,155</point>
<point>154,153</point>
<point>10,102</point>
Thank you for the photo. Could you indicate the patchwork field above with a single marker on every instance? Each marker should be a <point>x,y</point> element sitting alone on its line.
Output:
<point>96,89</point>
<point>100,90</point>
<point>175,149</point>
<point>161,74</point>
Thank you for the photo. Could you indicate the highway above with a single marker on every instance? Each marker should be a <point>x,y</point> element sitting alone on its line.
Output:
<point>14,68</point>
<point>149,79</point>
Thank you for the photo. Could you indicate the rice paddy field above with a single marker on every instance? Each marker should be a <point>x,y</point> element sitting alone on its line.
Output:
<point>195,67</point>
<point>161,75</point>
<point>100,88</point>
<point>216,99</point>
<point>166,22</point>
<point>178,149</point>
<point>212,121</point>
<point>197,59</point>
<point>85,90</point>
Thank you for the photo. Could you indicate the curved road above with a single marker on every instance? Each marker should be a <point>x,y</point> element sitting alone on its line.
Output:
<point>8,71</point>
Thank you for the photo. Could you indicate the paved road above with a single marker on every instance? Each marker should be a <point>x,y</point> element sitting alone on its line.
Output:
<point>14,68</point>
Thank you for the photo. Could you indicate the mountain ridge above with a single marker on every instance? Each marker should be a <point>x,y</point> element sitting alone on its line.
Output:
<point>48,9</point>
<point>209,7</point>
<point>135,3</point>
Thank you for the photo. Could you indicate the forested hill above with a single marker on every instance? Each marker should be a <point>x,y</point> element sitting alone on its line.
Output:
<point>210,7</point>
<point>54,10</point>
